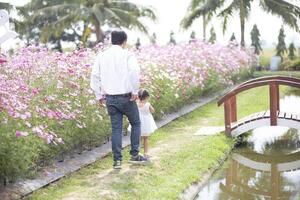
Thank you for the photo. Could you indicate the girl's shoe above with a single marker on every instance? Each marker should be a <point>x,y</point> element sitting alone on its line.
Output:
<point>147,156</point>
<point>138,159</point>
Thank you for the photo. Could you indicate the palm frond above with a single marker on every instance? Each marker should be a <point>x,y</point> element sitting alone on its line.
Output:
<point>288,12</point>
<point>128,20</point>
<point>209,6</point>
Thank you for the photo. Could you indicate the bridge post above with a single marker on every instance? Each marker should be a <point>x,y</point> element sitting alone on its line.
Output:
<point>227,117</point>
<point>274,102</point>
<point>275,181</point>
<point>233,112</point>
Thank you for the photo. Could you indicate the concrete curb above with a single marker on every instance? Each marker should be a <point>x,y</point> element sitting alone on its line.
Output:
<point>59,170</point>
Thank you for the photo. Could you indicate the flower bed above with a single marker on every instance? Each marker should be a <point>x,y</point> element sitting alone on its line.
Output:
<point>47,108</point>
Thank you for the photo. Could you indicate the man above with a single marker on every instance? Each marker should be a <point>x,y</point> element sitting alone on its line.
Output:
<point>115,79</point>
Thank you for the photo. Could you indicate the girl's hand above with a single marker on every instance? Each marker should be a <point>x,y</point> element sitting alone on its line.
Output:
<point>152,110</point>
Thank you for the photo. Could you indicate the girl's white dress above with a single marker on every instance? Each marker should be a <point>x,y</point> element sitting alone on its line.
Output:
<point>148,125</point>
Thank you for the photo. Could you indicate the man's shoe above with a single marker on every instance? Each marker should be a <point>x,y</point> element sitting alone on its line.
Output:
<point>117,164</point>
<point>138,159</point>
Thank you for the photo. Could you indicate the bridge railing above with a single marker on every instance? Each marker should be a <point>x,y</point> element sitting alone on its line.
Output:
<point>229,99</point>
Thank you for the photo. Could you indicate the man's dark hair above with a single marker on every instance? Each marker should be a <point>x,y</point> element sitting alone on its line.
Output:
<point>118,37</point>
<point>143,94</point>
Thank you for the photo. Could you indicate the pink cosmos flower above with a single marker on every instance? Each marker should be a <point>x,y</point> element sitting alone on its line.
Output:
<point>21,134</point>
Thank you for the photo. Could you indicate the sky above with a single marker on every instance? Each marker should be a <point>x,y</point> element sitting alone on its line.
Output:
<point>171,12</point>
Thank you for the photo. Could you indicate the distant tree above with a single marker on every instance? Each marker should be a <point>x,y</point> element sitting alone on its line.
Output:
<point>172,38</point>
<point>187,21</point>
<point>232,38</point>
<point>213,35</point>
<point>292,50</point>
<point>192,36</point>
<point>138,43</point>
<point>281,47</point>
<point>286,9</point>
<point>50,18</point>
<point>255,40</point>
<point>153,39</point>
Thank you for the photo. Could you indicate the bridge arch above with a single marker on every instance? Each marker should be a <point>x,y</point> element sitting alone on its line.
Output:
<point>271,117</point>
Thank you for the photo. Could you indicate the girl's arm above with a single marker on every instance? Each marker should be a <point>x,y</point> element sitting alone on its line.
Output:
<point>152,110</point>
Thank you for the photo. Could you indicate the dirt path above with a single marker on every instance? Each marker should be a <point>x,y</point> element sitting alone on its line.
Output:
<point>105,181</point>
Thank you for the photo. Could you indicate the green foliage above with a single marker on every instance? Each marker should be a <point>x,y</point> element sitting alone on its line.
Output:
<point>213,35</point>
<point>281,47</point>
<point>172,38</point>
<point>292,50</point>
<point>53,20</point>
<point>255,40</point>
<point>272,73</point>
<point>225,9</point>
<point>193,35</point>
<point>291,65</point>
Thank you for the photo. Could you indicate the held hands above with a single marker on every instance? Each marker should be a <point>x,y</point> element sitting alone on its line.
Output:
<point>133,97</point>
<point>102,102</point>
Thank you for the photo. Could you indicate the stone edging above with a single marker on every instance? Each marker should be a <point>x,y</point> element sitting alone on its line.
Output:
<point>59,170</point>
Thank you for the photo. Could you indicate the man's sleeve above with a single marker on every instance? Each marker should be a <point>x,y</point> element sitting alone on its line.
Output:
<point>95,79</point>
<point>134,73</point>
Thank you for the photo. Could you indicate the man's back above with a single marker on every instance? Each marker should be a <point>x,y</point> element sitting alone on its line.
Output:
<point>119,71</point>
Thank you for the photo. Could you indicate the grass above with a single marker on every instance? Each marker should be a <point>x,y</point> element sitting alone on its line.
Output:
<point>265,57</point>
<point>272,73</point>
<point>179,159</point>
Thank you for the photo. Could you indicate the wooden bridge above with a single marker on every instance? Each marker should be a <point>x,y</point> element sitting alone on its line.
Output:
<point>271,117</point>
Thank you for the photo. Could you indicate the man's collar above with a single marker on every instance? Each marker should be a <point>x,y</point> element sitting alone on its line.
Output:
<point>116,46</point>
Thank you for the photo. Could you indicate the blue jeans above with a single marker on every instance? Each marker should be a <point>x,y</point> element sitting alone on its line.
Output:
<point>117,106</point>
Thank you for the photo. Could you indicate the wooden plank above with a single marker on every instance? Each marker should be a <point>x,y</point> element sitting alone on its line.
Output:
<point>260,115</point>
<point>288,115</point>
<point>247,118</point>
<point>267,114</point>
<point>281,114</point>
<point>298,117</point>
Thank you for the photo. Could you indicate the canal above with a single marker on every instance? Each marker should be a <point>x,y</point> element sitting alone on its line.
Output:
<point>266,166</point>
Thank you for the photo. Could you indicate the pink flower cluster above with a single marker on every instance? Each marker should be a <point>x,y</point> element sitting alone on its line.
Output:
<point>39,87</point>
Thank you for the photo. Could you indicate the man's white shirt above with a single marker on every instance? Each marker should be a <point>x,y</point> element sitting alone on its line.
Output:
<point>115,71</point>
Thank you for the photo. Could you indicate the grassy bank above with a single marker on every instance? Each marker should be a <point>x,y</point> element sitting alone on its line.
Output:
<point>179,158</point>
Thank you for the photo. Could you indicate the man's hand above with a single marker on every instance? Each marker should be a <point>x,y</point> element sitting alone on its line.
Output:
<point>102,102</point>
<point>133,97</point>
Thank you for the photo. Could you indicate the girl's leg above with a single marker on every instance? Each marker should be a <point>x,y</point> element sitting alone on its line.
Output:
<point>145,145</point>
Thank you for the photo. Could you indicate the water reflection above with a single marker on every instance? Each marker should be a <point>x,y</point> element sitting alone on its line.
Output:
<point>267,168</point>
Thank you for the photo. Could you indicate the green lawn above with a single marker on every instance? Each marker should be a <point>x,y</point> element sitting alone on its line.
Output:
<point>265,57</point>
<point>179,158</point>
<point>272,73</point>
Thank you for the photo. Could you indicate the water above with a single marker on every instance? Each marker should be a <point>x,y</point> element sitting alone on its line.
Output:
<point>267,167</point>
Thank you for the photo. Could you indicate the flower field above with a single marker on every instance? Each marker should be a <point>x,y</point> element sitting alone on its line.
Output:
<point>47,108</point>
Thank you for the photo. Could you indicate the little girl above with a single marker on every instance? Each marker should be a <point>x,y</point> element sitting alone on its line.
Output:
<point>148,125</point>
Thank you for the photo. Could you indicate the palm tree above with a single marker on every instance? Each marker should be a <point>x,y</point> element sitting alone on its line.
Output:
<point>59,15</point>
<point>187,21</point>
<point>289,12</point>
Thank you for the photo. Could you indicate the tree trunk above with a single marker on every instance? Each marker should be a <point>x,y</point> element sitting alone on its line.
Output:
<point>98,30</point>
<point>242,19</point>
<point>204,28</point>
